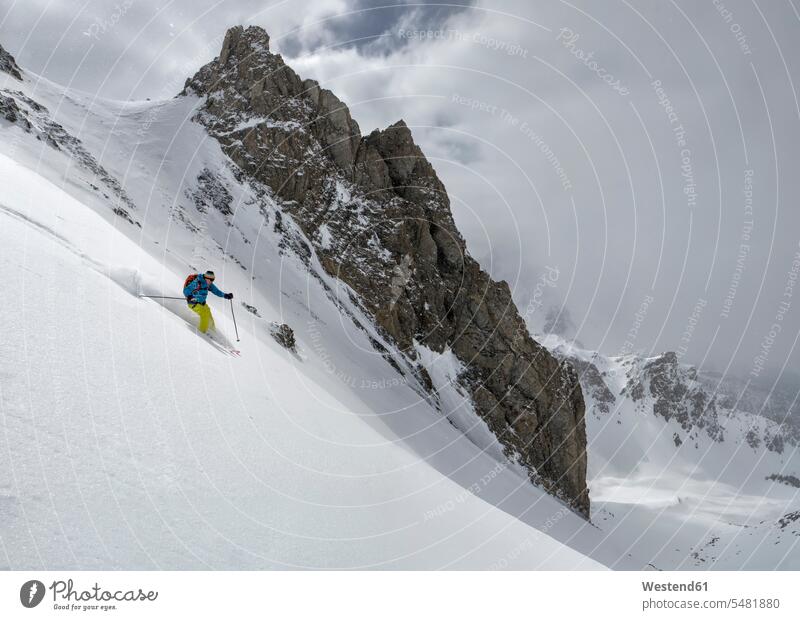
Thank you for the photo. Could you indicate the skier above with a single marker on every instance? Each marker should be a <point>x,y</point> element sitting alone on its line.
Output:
<point>195,289</point>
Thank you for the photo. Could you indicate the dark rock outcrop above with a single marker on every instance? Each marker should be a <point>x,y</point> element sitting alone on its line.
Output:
<point>789,520</point>
<point>676,394</point>
<point>594,384</point>
<point>283,335</point>
<point>210,193</point>
<point>792,481</point>
<point>8,64</point>
<point>380,220</point>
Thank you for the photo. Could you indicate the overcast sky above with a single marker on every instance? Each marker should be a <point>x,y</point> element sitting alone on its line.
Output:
<point>605,147</point>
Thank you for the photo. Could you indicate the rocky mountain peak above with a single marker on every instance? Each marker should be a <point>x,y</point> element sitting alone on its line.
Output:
<point>675,393</point>
<point>380,221</point>
<point>411,173</point>
<point>240,43</point>
<point>8,64</point>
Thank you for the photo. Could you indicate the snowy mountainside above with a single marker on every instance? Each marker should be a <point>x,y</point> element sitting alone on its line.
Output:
<point>699,482</point>
<point>295,143</point>
<point>134,443</point>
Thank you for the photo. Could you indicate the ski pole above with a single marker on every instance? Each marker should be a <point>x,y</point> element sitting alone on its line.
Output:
<point>160,297</point>
<point>234,321</point>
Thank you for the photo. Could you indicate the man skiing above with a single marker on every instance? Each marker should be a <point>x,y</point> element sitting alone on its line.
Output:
<point>196,290</point>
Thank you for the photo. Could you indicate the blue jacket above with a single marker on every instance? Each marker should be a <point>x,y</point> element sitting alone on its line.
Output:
<point>198,290</point>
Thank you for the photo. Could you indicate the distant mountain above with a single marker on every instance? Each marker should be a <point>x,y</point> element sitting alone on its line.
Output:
<point>706,481</point>
<point>777,399</point>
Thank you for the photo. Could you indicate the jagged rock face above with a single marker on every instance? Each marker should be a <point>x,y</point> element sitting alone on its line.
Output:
<point>676,394</point>
<point>594,384</point>
<point>8,64</point>
<point>380,220</point>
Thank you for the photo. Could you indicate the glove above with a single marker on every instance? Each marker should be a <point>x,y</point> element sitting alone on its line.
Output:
<point>228,295</point>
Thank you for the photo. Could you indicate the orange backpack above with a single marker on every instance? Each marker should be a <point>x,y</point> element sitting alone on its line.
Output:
<point>188,281</point>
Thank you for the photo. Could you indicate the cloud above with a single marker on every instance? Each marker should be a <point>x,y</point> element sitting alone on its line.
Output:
<point>367,25</point>
<point>616,146</point>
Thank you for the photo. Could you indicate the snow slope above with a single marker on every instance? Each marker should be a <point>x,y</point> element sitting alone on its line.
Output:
<point>131,442</point>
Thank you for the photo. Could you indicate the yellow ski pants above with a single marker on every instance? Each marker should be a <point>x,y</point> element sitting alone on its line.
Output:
<point>204,312</point>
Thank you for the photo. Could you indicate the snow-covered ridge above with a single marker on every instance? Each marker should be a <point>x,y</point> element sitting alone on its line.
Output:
<point>35,119</point>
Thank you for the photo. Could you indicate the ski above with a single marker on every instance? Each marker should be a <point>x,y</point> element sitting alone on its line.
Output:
<point>222,347</point>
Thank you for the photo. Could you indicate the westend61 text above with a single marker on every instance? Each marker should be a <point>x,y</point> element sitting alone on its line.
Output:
<point>692,586</point>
